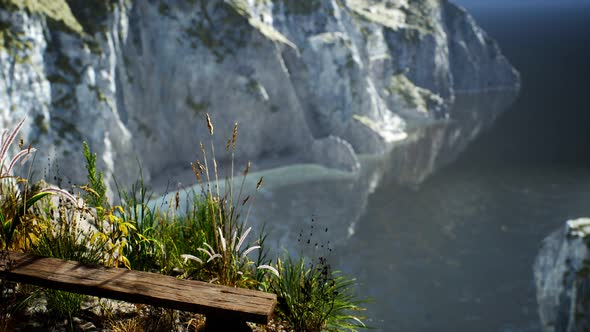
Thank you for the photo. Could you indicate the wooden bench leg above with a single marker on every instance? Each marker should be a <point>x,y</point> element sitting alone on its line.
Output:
<point>219,324</point>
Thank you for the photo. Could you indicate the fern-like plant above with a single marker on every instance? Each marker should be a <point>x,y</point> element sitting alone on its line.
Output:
<point>96,189</point>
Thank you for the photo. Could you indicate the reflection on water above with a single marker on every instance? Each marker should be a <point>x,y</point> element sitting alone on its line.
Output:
<point>456,255</point>
<point>294,195</point>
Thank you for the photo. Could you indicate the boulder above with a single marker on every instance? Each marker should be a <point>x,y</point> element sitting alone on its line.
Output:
<point>562,278</point>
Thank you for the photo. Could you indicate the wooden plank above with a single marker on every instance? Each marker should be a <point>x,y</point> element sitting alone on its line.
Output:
<point>140,287</point>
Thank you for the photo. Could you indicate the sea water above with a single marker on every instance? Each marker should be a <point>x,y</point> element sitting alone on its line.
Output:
<point>456,253</point>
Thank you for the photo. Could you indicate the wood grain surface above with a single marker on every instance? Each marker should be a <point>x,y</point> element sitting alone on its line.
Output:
<point>140,287</point>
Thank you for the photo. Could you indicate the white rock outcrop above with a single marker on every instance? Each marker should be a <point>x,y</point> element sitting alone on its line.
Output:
<point>562,278</point>
<point>310,80</point>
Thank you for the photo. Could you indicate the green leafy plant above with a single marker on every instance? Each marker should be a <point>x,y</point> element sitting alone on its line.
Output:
<point>18,228</point>
<point>17,225</point>
<point>312,297</point>
<point>63,236</point>
<point>112,227</point>
<point>13,202</point>
<point>114,237</point>
<point>231,266</point>
<point>144,251</point>
<point>96,189</point>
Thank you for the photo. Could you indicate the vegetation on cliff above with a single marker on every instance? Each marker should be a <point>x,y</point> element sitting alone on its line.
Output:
<point>56,10</point>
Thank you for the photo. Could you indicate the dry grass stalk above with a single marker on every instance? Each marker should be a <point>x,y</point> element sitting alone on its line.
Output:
<point>209,125</point>
<point>198,169</point>
<point>127,325</point>
<point>234,139</point>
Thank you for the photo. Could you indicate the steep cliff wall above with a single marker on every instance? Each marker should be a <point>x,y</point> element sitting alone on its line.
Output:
<point>305,79</point>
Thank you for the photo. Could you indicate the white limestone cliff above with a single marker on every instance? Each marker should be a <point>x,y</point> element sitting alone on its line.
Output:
<point>308,81</point>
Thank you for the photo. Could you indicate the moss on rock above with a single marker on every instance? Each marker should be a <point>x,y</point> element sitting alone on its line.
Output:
<point>56,10</point>
<point>91,13</point>
<point>415,97</point>
<point>219,29</point>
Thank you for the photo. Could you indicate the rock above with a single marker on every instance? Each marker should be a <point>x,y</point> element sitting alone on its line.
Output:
<point>135,78</point>
<point>334,152</point>
<point>562,278</point>
<point>579,228</point>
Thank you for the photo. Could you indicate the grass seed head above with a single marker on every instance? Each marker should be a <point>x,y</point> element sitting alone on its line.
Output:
<point>247,168</point>
<point>201,167</point>
<point>196,171</point>
<point>209,125</point>
<point>259,184</point>
<point>234,137</point>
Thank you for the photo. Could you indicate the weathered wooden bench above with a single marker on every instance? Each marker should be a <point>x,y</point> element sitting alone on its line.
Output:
<point>225,308</point>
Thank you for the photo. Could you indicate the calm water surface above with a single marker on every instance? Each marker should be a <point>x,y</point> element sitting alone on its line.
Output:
<point>456,254</point>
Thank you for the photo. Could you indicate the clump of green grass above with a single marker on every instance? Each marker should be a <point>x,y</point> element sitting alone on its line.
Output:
<point>145,252</point>
<point>313,297</point>
<point>64,305</point>
<point>222,254</point>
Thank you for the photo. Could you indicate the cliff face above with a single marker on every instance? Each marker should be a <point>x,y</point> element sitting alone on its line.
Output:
<point>318,81</point>
<point>562,278</point>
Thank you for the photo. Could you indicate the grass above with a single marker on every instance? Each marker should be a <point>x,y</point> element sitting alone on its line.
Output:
<point>312,297</point>
<point>64,305</point>
<point>210,241</point>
